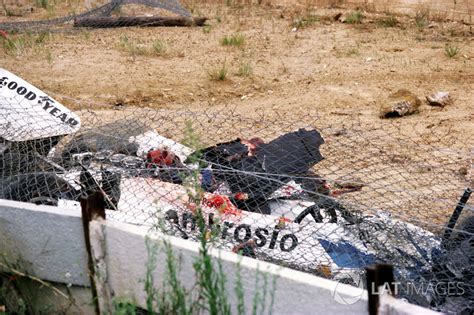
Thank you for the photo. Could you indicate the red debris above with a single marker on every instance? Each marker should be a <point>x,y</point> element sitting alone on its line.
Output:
<point>241,196</point>
<point>252,145</point>
<point>3,34</point>
<point>221,203</point>
<point>160,157</point>
<point>282,221</point>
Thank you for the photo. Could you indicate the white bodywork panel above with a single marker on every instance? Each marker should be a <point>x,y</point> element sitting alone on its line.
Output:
<point>27,113</point>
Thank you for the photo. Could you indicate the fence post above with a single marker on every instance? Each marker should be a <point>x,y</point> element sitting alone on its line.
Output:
<point>93,209</point>
<point>380,275</point>
<point>455,216</point>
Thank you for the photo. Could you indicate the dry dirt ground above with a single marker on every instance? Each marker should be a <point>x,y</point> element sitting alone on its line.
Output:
<point>295,62</point>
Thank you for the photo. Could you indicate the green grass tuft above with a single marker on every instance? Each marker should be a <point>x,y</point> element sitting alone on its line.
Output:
<point>245,70</point>
<point>389,21</point>
<point>219,73</point>
<point>236,40</point>
<point>137,48</point>
<point>305,21</point>
<point>159,47</point>
<point>451,51</point>
<point>422,19</point>
<point>355,17</point>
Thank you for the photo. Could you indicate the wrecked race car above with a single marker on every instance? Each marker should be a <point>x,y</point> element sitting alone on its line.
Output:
<point>259,198</point>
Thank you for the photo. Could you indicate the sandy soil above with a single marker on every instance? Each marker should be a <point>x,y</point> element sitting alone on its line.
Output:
<point>327,74</point>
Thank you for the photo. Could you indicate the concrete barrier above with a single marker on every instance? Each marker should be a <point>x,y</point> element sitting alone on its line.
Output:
<point>48,243</point>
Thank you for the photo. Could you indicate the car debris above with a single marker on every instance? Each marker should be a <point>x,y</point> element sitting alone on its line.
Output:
<point>401,103</point>
<point>439,98</point>
<point>258,198</point>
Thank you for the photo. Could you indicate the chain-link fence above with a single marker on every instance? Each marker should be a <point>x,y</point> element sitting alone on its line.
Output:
<point>325,196</point>
<point>111,14</point>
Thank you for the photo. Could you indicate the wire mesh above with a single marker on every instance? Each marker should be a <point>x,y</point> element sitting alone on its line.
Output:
<point>327,197</point>
<point>97,17</point>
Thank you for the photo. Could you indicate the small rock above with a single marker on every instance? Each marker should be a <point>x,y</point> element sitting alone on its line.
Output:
<point>118,106</point>
<point>439,99</point>
<point>337,16</point>
<point>400,103</point>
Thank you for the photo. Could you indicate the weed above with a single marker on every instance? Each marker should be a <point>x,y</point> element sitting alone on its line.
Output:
<point>43,4</point>
<point>422,19</point>
<point>130,46</point>
<point>206,29</point>
<point>219,73</point>
<point>138,48</point>
<point>451,51</point>
<point>233,40</point>
<point>123,307</point>
<point>355,17</point>
<point>239,291</point>
<point>19,290</point>
<point>245,70</point>
<point>87,35</point>
<point>305,21</point>
<point>49,56</point>
<point>159,47</point>
<point>41,37</point>
<point>419,38</point>
<point>24,43</point>
<point>388,22</point>
<point>7,11</point>
<point>352,51</point>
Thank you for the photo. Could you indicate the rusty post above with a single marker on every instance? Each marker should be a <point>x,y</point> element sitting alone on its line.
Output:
<point>93,207</point>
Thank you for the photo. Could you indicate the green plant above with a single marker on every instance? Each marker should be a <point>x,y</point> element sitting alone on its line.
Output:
<point>389,21</point>
<point>245,69</point>
<point>305,21</point>
<point>233,40</point>
<point>206,28</point>
<point>159,47</point>
<point>42,4</point>
<point>123,307</point>
<point>355,17</point>
<point>219,73</point>
<point>16,44</point>
<point>136,47</point>
<point>7,11</point>
<point>451,51</point>
<point>87,35</point>
<point>422,19</point>
<point>19,290</point>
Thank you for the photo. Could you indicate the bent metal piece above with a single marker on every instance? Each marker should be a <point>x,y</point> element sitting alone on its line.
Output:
<point>260,170</point>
